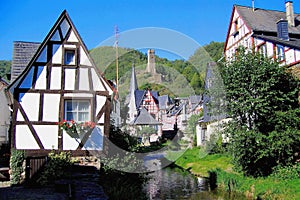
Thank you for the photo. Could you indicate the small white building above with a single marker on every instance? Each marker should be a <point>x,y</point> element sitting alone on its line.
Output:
<point>5,113</point>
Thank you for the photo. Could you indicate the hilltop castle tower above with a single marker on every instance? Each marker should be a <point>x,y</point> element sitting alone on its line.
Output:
<point>151,67</point>
<point>151,62</point>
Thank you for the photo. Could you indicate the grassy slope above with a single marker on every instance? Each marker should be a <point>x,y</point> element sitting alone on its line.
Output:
<point>199,163</point>
<point>266,188</point>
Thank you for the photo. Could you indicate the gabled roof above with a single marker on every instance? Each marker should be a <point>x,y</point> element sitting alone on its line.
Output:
<point>22,54</point>
<point>144,118</point>
<point>61,31</point>
<point>139,95</point>
<point>261,20</point>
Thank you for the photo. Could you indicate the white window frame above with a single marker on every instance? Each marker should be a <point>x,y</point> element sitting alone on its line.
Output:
<point>280,52</point>
<point>76,110</point>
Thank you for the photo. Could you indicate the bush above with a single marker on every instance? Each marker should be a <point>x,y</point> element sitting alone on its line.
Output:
<point>287,172</point>
<point>16,164</point>
<point>55,168</point>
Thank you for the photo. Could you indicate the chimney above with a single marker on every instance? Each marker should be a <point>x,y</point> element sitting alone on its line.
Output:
<point>282,29</point>
<point>290,13</point>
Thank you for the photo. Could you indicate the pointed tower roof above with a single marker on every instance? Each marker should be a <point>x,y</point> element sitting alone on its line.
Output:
<point>133,86</point>
<point>133,81</point>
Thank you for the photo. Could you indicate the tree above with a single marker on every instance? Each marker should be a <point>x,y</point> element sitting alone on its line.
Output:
<point>257,87</point>
<point>262,99</point>
<point>196,83</point>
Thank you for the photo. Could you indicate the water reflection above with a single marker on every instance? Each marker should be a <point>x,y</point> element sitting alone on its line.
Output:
<point>173,183</point>
<point>176,183</point>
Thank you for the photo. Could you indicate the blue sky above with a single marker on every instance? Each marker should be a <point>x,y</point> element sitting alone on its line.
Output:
<point>201,21</point>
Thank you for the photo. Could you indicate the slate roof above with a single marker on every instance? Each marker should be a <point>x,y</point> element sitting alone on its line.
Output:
<point>194,101</point>
<point>144,118</point>
<point>262,20</point>
<point>3,81</point>
<point>139,95</point>
<point>164,102</point>
<point>22,55</point>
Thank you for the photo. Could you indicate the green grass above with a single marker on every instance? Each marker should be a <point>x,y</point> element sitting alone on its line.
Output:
<point>264,188</point>
<point>199,163</point>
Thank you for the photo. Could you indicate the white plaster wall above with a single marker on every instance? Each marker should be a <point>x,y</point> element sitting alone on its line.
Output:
<point>69,143</point>
<point>290,56</point>
<point>51,107</point>
<point>70,79</point>
<point>100,101</point>
<point>30,103</point>
<point>41,80</point>
<point>4,117</point>
<point>97,85</point>
<point>84,79</point>
<point>48,135</point>
<point>24,138</point>
<point>55,82</point>
<point>95,141</point>
<point>72,37</point>
<point>84,60</point>
<point>57,56</point>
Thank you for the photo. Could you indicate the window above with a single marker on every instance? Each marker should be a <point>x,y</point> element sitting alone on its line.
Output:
<point>69,57</point>
<point>280,53</point>
<point>78,110</point>
<point>235,28</point>
<point>263,50</point>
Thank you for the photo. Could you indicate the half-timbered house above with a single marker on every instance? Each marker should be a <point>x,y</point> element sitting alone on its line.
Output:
<point>274,34</point>
<point>61,82</point>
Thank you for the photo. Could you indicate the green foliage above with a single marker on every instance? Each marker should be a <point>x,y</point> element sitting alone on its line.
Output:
<point>161,89</point>
<point>147,131</point>
<point>5,66</point>
<point>262,99</point>
<point>16,164</point>
<point>173,72</point>
<point>56,167</point>
<point>199,162</point>
<point>122,139</point>
<point>125,162</point>
<point>258,188</point>
<point>257,87</point>
<point>287,173</point>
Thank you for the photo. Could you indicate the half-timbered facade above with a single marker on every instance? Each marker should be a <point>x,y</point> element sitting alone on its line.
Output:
<point>61,82</point>
<point>274,34</point>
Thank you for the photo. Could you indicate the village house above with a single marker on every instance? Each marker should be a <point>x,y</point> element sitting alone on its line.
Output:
<point>5,114</point>
<point>275,34</point>
<point>59,84</point>
<point>148,108</point>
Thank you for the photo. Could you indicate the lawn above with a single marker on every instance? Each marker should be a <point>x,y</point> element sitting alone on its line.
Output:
<point>199,163</point>
<point>196,161</point>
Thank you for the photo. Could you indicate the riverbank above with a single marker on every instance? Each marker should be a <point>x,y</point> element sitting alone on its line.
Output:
<point>201,164</point>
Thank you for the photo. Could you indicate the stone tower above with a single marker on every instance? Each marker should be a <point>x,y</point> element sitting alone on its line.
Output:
<point>151,62</point>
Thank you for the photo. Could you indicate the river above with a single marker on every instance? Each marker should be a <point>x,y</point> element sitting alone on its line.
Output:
<point>175,183</point>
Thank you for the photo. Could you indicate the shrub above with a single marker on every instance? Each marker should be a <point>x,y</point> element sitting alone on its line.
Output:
<point>16,164</point>
<point>55,168</point>
<point>287,172</point>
